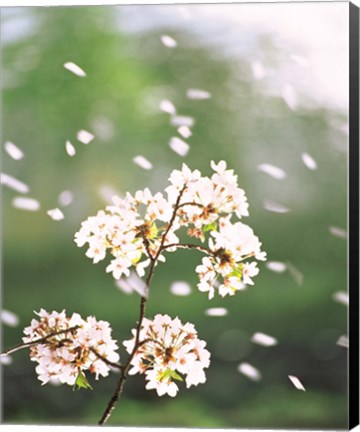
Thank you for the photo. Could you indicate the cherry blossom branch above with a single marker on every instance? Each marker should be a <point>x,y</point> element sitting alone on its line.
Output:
<point>191,204</point>
<point>37,341</point>
<point>124,370</point>
<point>105,360</point>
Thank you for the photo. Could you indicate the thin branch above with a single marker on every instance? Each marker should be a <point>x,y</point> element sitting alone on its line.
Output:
<point>37,341</point>
<point>105,360</point>
<point>190,204</point>
<point>124,370</point>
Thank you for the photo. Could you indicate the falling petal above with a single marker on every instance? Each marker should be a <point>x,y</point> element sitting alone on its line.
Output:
<point>295,273</point>
<point>290,97</point>
<point>168,107</point>
<point>275,207</point>
<point>70,149</point>
<point>178,121</point>
<point>13,151</point>
<point>75,69</point>
<point>258,70</point>
<point>123,285</point>
<point>84,136</point>
<point>142,162</point>
<point>168,41</point>
<point>217,311</point>
<point>184,131</point>
<point>23,203</point>
<point>249,371</point>
<point>276,266</point>
<point>343,341</point>
<point>300,60</point>
<point>137,284</point>
<point>272,171</point>
<point>179,146</point>
<point>296,382</point>
<point>180,288</point>
<point>309,161</point>
<point>197,94</point>
<point>338,232</point>
<point>14,183</point>
<point>107,192</point>
<point>56,214</point>
<point>65,198</point>
<point>341,297</point>
<point>264,339</point>
<point>5,359</point>
<point>9,318</point>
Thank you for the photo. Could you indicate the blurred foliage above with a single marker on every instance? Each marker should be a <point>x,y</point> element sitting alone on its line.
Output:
<point>128,73</point>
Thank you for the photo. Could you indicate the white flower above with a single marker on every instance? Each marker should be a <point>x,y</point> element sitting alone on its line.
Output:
<point>118,267</point>
<point>250,270</point>
<point>167,349</point>
<point>62,357</point>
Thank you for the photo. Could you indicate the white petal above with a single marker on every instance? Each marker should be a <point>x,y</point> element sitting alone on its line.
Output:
<point>75,69</point>
<point>249,371</point>
<point>197,94</point>
<point>5,359</point>
<point>56,214</point>
<point>14,183</point>
<point>180,288</point>
<point>84,136</point>
<point>276,266</point>
<point>168,107</point>
<point>341,297</point>
<point>70,149</point>
<point>343,341</point>
<point>218,311</point>
<point>13,151</point>
<point>142,162</point>
<point>23,203</point>
<point>309,162</point>
<point>184,131</point>
<point>179,146</point>
<point>9,318</point>
<point>296,382</point>
<point>65,198</point>
<point>168,41</point>
<point>263,339</point>
<point>338,232</point>
<point>275,207</point>
<point>182,121</point>
<point>272,171</point>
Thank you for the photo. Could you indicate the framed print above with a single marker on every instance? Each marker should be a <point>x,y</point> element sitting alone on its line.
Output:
<point>180,189</point>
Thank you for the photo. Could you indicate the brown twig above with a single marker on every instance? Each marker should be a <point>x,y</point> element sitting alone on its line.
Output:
<point>124,370</point>
<point>37,341</point>
<point>105,360</point>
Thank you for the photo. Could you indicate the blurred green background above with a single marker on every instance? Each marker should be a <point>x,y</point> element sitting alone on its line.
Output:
<point>246,122</point>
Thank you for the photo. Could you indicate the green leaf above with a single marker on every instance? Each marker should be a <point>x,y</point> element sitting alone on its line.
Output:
<point>176,376</point>
<point>153,231</point>
<point>210,227</point>
<point>82,382</point>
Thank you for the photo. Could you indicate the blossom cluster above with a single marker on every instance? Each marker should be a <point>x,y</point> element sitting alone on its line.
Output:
<point>69,346</point>
<point>168,351</point>
<point>138,229</point>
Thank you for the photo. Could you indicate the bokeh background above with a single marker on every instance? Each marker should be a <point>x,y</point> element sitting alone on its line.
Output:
<point>277,75</point>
